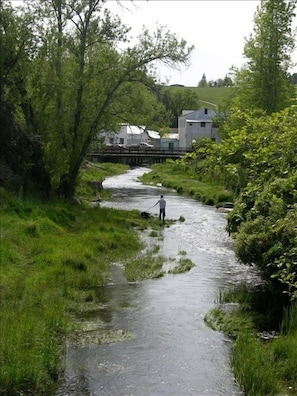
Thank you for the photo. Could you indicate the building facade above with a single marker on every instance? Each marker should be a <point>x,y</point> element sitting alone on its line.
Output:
<point>195,125</point>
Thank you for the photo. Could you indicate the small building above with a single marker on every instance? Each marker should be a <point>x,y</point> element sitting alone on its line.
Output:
<point>195,125</point>
<point>169,141</point>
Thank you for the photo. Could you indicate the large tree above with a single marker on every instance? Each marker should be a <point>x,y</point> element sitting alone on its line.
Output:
<point>82,84</point>
<point>264,82</point>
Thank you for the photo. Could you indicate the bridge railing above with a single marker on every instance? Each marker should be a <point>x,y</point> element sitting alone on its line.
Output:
<point>141,150</point>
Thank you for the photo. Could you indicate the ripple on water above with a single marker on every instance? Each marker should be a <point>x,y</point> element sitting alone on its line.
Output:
<point>172,351</point>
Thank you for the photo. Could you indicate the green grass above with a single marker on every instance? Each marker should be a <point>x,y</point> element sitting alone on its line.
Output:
<point>261,367</point>
<point>184,265</point>
<point>96,172</point>
<point>52,255</point>
<point>208,97</point>
<point>184,181</point>
<point>253,367</point>
<point>147,265</point>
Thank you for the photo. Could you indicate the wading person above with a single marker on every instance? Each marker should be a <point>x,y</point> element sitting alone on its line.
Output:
<point>162,206</point>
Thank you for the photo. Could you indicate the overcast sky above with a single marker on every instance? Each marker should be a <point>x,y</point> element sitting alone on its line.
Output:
<point>217,29</point>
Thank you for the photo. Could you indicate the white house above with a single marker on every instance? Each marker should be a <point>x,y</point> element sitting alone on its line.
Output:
<point>198,124</point>
<point>132,135</point>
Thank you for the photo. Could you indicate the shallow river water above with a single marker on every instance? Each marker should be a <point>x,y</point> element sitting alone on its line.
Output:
<point>171,352</point>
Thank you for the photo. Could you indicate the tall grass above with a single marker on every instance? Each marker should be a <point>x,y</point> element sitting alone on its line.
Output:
<point>284,348</point>
<point>253,367</point>
<point>52,254</point>
<point>262,366</point>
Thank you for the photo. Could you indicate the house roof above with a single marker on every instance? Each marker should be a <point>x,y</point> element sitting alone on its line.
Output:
<point>200,115</point>
<point>173,136</point>
<point>135,130</point>
<point>153,134</point>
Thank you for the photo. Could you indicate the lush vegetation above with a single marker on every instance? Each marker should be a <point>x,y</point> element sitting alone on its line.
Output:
<point>54,254</point>
<point>62,82</point>
<point>264,362</point>
<point>181,176</point>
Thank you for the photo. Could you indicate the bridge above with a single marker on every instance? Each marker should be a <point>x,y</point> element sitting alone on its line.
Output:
<point>136,155</point>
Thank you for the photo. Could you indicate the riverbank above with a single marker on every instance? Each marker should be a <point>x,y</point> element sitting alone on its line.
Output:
<point>52,255</point>
<point>183,179</point>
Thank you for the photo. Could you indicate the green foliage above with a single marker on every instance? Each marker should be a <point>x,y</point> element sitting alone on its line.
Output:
<point>63,78</point>
<point>176,101</point>
<point>265,82</point>
<point>264,362</point>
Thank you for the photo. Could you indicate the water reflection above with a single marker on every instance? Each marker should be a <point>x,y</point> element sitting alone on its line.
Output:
<point>171,351</point>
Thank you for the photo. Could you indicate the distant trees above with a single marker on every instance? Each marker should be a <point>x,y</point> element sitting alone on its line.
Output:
<point>202,83</point>
<point>225,82</point>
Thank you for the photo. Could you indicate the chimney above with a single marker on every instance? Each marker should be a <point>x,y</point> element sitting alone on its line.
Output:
<point>205,111</point>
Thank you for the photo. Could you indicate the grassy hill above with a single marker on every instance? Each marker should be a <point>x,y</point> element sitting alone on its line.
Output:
<point>208,97</point>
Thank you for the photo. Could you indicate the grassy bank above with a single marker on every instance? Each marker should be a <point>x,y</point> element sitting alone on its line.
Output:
<point>53,257</point>
<point>264,361</point>
<point>183,179</point>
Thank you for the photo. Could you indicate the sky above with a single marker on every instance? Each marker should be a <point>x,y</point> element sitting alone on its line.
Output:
<point>217,29</point>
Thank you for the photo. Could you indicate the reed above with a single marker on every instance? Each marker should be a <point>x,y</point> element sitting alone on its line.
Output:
<point>253,367</point>
<point>262,366</point>
<point>284,348</point>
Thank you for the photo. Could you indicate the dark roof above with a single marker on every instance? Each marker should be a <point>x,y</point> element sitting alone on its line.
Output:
<point>201,115</point>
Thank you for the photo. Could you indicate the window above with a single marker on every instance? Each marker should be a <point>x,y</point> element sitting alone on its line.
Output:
<point>202,124</point>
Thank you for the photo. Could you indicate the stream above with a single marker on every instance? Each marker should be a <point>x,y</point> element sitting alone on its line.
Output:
<point>171,351</point>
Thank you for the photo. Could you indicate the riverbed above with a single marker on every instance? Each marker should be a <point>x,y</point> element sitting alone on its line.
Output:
<point>168,350</point>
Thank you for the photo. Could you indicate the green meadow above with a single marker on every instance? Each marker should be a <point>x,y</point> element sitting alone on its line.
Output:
<point>208,97</point>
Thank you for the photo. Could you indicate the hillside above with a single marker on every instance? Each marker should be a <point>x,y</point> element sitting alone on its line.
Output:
<point>208,97</point>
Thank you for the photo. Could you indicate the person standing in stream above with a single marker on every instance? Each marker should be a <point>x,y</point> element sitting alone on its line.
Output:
<point>162,206</point>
